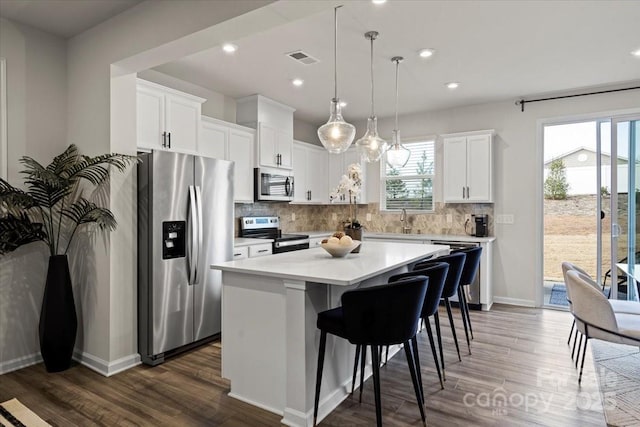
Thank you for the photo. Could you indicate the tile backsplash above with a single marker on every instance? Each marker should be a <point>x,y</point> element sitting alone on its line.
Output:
<point>319,217</point>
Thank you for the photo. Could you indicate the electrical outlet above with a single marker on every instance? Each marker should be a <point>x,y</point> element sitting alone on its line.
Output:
<point>334,216</point>
<point>508,219</point>
<point>293,216</point>
<point>449,219</point>
<point>368,216</point>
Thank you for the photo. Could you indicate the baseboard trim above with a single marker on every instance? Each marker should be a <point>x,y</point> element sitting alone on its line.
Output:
<point>19,363</point>
<point>259,405</point>
<point>514,301</point>
<point>107,368</point>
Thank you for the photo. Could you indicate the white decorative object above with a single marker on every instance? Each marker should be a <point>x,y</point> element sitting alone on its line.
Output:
<point>338,250</point>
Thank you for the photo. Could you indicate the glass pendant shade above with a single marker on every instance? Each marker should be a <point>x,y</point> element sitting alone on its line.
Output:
<point>398,154</point>
<point>371,147</point>
<point>336,135</point>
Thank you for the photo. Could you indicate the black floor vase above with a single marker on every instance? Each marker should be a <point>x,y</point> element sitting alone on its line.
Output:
<point>58,321</point>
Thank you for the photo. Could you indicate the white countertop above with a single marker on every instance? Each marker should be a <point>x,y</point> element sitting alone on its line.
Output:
<point>445,237</point>
<point>247,241</point>
<point>316,265</point>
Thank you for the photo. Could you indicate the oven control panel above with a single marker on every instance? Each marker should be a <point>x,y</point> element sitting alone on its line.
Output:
<point>258,222</point>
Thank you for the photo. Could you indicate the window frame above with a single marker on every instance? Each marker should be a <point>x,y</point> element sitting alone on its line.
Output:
<point>383,177</point>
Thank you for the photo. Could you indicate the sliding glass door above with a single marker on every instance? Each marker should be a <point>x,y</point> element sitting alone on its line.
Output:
<point>623,269</point>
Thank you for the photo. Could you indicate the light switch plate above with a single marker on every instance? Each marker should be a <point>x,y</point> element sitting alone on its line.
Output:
<point>334,216</point>
<point>449,219</point>
<point>293,216</point>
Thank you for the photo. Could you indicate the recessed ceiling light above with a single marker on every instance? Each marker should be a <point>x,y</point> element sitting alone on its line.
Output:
<point>229,48</point>
<point>297,82</point>
<point>452,85</point>
<point>636,53</point>
<point>343,104</point>
<point>426,53</point>
<point>378,1</point>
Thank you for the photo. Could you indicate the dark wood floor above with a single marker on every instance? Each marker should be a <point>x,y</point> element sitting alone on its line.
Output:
<point>519,354</point>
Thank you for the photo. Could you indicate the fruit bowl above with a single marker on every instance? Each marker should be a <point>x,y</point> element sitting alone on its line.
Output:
<point>337,250</point>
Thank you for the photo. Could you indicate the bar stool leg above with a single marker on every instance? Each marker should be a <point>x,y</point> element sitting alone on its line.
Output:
<point>464,314</point>
<point>362,362</point>
<point>323,344</point>
<point>579,347</point>
<point>376,383</point>
<point>416,359</point>
<point>453,327</point>
<point>355,368</point>
<point>433,350</point>
<point>463,298</point>
<point>417,386</point>
<point>573,325</point>
<point>436,318</point>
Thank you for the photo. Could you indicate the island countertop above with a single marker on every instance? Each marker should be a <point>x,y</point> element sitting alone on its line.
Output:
<point>316,265</point>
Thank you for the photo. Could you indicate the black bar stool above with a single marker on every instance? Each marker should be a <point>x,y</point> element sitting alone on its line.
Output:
<point>469,272</point>
<point>376,316</point>
<point>456,262</point>
<point>437,274</point>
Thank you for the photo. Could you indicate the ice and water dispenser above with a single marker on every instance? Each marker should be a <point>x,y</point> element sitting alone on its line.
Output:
<point>173,239</point>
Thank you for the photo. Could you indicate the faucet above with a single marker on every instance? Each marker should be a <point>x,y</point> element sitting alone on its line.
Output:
<point>403,220</point>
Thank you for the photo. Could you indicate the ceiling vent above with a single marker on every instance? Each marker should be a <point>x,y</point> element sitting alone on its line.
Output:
<point>302,57</point>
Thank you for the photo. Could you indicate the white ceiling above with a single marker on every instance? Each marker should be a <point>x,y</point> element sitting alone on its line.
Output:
<point>63,18</point>
<point>497,50</point>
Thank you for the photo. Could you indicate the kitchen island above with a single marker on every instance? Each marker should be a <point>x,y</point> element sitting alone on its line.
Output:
<point>269,310</point>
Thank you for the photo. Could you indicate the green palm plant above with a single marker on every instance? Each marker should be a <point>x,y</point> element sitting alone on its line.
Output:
<point>53,207</point>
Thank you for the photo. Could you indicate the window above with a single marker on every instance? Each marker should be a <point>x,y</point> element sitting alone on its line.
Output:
<point>411,186</point>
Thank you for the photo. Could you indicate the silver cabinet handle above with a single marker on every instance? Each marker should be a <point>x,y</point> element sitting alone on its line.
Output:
<point>463,192</point>
<point>238,254</point>
<point>263,251</point>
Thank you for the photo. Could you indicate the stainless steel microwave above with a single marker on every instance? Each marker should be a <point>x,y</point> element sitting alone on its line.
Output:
<point>273,185</point>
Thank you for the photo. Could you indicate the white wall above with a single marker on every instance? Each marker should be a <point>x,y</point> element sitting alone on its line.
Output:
<point>36,118</point>
<point>518,174</point>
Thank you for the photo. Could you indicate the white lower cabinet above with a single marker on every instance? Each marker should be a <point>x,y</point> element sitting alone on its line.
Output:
<point>223,140</point>
<point>240,252</point>
<point>260,250</point>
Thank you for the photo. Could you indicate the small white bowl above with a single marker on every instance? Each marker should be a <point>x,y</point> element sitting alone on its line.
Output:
<point>337,250</point>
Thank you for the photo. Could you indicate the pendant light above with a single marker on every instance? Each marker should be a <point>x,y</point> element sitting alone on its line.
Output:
<point>371,147</point>
<point>336,135</point>
<point>398,154</point>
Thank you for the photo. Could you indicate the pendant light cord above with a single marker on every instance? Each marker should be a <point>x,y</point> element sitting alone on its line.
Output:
<point>372,111</point>
<point>335,51</point>
<point>397,71</point>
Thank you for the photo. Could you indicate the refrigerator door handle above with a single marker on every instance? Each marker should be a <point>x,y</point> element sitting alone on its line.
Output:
<point>199,241</point>
<point>193,226</point>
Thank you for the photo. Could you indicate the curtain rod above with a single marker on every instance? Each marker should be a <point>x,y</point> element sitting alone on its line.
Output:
<point>522,101</point>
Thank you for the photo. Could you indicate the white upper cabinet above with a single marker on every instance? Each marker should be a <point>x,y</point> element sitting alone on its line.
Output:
<point>274,122</point>
<point>468,167</point>
<point>339,165</point>
<point>228,141</point>
<point>167,119</point>
<point>310,172</point>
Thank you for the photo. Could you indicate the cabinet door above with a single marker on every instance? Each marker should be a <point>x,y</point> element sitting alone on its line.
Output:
<point>240,151</point>
<point>213,141</point>
<point>267,146</point>
<point>300,173</point>
<point>455,169</point>
<point>479,170</point>
<point>150,118</point>
<point>285,149</point>
<point>183,123</point>
<point>317,182</point>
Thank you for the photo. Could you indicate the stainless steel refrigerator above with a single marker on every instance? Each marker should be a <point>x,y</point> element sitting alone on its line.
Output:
<point>185,224</point>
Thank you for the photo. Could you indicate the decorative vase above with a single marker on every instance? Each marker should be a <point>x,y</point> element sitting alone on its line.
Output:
<point>355,234</point>
<point>58,321</point>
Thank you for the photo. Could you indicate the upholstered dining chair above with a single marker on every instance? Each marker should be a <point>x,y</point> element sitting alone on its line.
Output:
<point>374,317</point>
<point>596,319</point>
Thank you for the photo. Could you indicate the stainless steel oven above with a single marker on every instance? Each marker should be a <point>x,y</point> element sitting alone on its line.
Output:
<point>268,227</point>
<point>273,185</point>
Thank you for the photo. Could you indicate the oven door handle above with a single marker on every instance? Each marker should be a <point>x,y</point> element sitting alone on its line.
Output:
<point>290,243</point>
